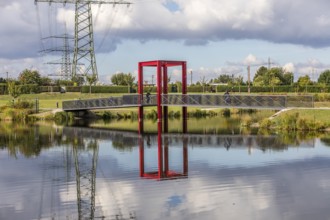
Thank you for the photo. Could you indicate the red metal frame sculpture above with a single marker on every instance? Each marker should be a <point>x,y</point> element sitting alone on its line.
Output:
<point>162,111</point>
<point>162,78</point>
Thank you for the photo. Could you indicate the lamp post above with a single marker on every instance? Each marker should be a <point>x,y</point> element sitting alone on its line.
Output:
<point>292,82</point>
<point>248,69</point>
<point>191,77</point>
<point>7,82</point>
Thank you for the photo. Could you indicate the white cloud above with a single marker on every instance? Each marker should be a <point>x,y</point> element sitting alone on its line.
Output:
<point>250,59</point>
<point>15,66</point>
<point>191,23</point>
<point>289,67</point>
<point>195,21</point>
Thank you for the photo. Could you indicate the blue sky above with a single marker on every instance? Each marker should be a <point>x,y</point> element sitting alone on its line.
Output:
<point>214,36</point>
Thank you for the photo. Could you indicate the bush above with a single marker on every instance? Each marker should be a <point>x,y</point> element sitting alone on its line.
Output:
<point>17,114</point>
<point>322,97</point>
<point>49,89</point>
<point>61,117</point>
<point>29,88</point>
<point>22,104</point>
<point>3,88</point>
<point>246,121</point>
<point>248,111</point>
<point>226,112</point>
<point>303,124</point>
<point>195,89</point>
<point>289,122</point>
<point>73,89</point>
<point>105,89</point>
<point>266,124</point>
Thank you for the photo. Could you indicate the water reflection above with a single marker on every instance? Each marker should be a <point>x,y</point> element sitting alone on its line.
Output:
<point>164,172</point>
<point>30,140</point>
<point>84,173</point>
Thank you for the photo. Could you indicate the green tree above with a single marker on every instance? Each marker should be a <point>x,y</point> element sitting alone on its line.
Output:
<point>29,77</point>
<point>288,78</point>
<point>261,72</point>
<point>272,77</point>
<point>118,79</point>
<point>261,77</point>
<point>13,90</point>
<point>45,81</point>
<point>129,78</point>
<point>123,79</point>
<point>304,81</point>
<point>91,79</point>
<point>275,77</point>
<point>224,78</point>
<point>324,77</point>
<point>203,82</point>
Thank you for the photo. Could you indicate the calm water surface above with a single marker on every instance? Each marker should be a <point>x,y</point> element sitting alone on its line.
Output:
<point>49,172</point>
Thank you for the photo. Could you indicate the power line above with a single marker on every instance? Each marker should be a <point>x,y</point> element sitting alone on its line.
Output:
<point>84,36</point>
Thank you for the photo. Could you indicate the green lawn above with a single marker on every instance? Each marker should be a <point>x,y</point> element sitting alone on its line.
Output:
<point>48,100</point>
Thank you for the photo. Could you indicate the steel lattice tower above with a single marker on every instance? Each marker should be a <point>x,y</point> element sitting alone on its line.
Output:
<point>65,61</point>
<point>84,52</point>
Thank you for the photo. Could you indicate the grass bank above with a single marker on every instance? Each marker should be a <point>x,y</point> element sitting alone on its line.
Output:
<point>299,119</point>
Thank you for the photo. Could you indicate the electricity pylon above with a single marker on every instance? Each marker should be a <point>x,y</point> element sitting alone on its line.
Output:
<point>84,35</point>
<point>86,165</point>
<point>65,62</point>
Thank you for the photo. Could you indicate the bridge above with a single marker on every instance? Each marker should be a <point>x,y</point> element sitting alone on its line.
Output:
<point>276,102</point>
<point>162,100</point>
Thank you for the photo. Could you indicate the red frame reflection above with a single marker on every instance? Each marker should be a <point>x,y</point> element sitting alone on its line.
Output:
<point>163,172</point>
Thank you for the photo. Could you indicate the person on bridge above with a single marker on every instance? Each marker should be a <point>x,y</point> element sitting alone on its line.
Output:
<point>227,97</point>
<point>148,97</point>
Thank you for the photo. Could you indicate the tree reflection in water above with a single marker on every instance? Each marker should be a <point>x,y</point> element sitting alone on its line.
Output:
<point>29,140</point>
<point>82,146</point>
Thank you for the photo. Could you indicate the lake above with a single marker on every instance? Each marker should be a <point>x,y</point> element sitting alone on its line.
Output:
<point>78,172</point>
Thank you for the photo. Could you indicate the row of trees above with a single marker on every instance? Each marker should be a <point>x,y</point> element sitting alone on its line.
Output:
<point>269,77</point>
<point>33,77</point>
<point>263,77</point>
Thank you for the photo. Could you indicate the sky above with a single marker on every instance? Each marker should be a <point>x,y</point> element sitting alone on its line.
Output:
<point>214,36</point>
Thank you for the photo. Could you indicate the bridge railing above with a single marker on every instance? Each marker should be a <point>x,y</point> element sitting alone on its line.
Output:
<point>234,101</point>
<point>300,101</point>
<point>239,101</point>
<point>111,102</point>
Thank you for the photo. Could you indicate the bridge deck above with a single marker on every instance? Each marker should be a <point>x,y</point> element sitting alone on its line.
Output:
<point>199,100</point>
